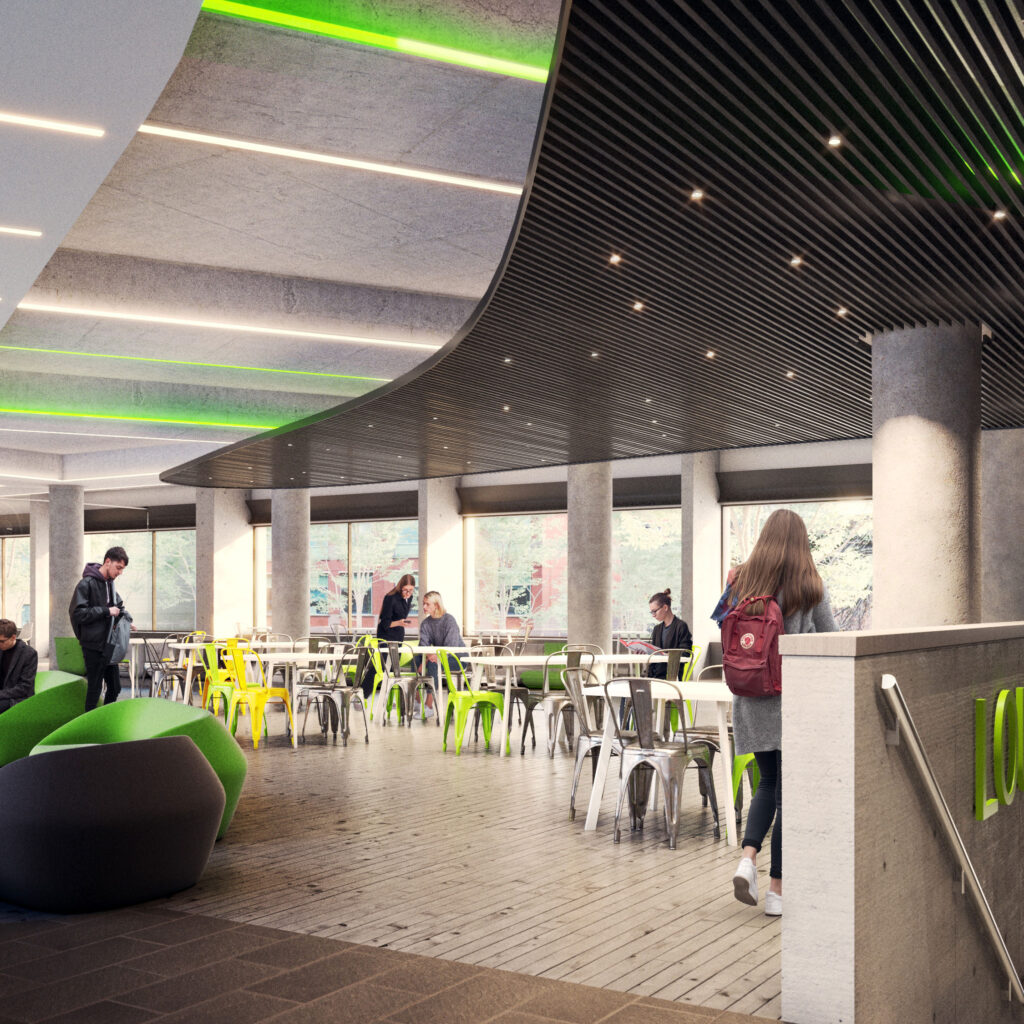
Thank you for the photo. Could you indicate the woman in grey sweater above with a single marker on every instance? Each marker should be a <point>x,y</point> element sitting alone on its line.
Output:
<point>780,564</point>
<point>438,628</point>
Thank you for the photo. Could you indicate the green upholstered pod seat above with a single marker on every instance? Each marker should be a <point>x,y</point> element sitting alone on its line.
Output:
<point>59,698</point>
<point>68,655</point>
<point>152,717</point>
<point>95,827</point>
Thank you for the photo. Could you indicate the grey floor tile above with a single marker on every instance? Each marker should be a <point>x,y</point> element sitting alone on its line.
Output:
<point>518,1017</point>
<point>577,1004</point>
<point>311,981</point>
<point>68,994</point>
<point>644,1013</point>
<point>103,1013</point>
<point>694,1011</point>
<point>185,928</point>
<point>18,952</point>
<point>296,951</point>
<point>229,1008</point>
<point>187,956</point>
<point>170,994</point>
<point>94,929</point>
<point>81,959</point>
<point>362,1003</point>
<point>479,998</point>
<point>427,975</point>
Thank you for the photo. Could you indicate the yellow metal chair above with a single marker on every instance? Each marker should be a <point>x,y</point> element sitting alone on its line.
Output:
<point>255,694</point>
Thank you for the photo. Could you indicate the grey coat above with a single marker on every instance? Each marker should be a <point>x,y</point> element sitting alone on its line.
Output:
<point>757,721</point>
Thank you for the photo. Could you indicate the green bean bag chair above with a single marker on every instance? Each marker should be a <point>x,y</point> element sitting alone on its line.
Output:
<point>68,654</point>
<point>59,698</point>
<point>151,717</point>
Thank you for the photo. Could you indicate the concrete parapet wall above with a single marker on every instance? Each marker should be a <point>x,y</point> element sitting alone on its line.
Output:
<point>876,928</point>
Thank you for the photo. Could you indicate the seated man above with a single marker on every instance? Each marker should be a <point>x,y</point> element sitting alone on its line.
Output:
<point>18,664</point>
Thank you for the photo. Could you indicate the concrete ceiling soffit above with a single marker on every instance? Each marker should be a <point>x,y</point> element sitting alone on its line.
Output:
<point>99,65</point>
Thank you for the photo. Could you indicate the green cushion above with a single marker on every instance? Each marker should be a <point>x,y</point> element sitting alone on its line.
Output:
<point>27,722</point>
<point>69,655</point>
<point>149,718</point>
<point>47,680</point>
<point>533,678</point>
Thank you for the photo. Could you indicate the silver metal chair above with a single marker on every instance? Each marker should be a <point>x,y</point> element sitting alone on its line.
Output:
<point>644,756</point>
<point>335,694</point>
<point>406,679</point>
<point>164,673</point>
<point>558,708</point>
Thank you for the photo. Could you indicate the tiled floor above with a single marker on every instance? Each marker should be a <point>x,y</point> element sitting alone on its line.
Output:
<point>152,964</point>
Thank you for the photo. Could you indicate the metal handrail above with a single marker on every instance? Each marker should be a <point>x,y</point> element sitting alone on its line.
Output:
<point>905,726</point>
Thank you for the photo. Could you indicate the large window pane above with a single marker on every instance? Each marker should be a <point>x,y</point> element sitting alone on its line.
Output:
<point>135,584</point>
<point>646,558</point>
<point>516,573</point>
<point>840,533</point>
<point>328,576</point>
<point>381,553</point>
<point>175,579</point>
<point>17,575</point>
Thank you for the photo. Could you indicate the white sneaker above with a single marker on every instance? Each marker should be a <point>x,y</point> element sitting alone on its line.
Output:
<point>772,904</point>
<point>744,882</point>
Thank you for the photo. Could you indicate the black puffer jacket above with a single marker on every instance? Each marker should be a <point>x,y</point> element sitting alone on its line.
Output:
<point>90,608</point>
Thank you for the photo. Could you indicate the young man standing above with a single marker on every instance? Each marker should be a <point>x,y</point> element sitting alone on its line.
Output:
<point>94,605</point>
<point>18,664</point>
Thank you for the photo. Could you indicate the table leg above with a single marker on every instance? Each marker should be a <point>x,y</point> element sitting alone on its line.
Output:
<point>597,792</point>
<point>506,713</point>
<point>725,802</point>
<point>190,664</point>
<point>133,664</point>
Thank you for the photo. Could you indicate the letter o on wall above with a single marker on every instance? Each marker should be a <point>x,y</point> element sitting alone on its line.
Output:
<point>1004,746</point>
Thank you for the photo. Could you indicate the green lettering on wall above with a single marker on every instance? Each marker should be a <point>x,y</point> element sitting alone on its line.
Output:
<point>1004,747</point>
<point>984,806</point>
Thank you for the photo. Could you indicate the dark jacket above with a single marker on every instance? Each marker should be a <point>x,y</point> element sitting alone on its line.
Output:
<point>393,607</point>
<point>20,680</point>
<point>90,608</point>
<point>676,636</point>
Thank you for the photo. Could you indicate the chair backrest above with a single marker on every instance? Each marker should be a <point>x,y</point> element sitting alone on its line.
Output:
<point>279,638</point>
<point>401,657</point>
<point>155,651</point>
<point>69,655</point>
<point>484,650</point>
<point>574,679</point>
<point>576,658</point>
<point>586,648</point>
<point>453,670</point>
<point>242,657</point>
<point>211,662</point>
<point>643,711</point>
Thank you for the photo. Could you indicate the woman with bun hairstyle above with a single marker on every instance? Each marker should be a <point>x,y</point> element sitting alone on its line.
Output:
<point>670,633</point>
<point>780,564</point>
<point>394,617</point>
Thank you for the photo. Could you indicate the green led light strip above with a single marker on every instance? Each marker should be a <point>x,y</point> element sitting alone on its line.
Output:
<point>186,362</point>
<point>412,47</point>
<point>64,414</point>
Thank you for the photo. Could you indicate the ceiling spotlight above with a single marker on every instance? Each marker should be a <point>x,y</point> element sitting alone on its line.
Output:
<point>842,311</point>
<point>790,374</point>
<point>433,417</point>
<point>998,215</point>
<point>655,422</point>
<point>399,456</point>
<point>664,435</point>
<point>446,447</point>
<point>529,424</point>
<point>710,354</point>
<point>593,355</point>
<point>835,141</point>
<point>647,400</point>
<point>697,194</point>
<point>638,306</point>
<point>370,425</point>
<point>615,258</point>
<point>796,261</point>
<point>504,408</point>
<point>290,445</point>
<point>508,359</point>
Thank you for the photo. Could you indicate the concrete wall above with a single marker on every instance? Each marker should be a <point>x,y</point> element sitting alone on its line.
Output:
<point>441,548</point>
<point>876,928</point>
<point>701,548</point>
<point>223,561</point>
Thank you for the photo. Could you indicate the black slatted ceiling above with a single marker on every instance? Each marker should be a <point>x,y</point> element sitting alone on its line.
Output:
<point>652,100</point>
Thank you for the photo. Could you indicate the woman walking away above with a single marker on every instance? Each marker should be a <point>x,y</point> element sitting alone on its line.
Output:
<point>780,564</point>
<point>394,617</point>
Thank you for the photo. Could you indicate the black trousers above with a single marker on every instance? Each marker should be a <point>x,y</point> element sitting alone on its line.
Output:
<point>368,673</point>
<point>98,672</point>
<point>766,806</point>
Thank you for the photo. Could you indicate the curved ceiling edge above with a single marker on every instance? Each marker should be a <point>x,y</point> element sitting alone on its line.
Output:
<point>722,202</point>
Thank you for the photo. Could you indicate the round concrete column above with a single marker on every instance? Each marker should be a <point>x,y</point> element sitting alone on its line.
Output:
<point>590,555</point>
<point>289,559</point>
<point>926,393</point>
<point>67,552</point>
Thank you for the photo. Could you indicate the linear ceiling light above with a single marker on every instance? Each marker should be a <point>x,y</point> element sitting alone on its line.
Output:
<point>53,126</point>
<point>121,437</point>
<point>186,362</point>
<point>412,47</point>
<point>27,232</point>
<point>336,161</point>
<point>64,414</point>
<point>176,321</point>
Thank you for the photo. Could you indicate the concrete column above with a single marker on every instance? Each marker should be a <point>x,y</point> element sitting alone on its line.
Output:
<point>701,547</point>
<point>289,560</point>
<point>67,552</point>
<point>1002,526</point>
<point>39,577</point>
<point>223,561</point>
<point>441,549</point>
<point>926,388</point>
<point>590,555</point>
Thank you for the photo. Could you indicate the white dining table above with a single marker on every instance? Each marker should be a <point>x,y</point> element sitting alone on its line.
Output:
<point>538,660</point>
<point>187,652</point>
<point>716,692</point>
<point>135,645</point>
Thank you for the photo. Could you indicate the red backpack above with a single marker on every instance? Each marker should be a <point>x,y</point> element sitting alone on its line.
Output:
<point>750,649</point>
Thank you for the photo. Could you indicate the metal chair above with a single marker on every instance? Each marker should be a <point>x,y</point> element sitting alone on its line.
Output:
<point>590,736</point>
<point>405,680</point>
<point>332,695</point>
<point>560,712</point>
<point>645,756</point>
<point>161,668</point>
<point>462,701</point>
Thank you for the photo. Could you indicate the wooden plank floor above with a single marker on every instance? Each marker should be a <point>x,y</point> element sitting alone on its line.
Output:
<point>474,859</point>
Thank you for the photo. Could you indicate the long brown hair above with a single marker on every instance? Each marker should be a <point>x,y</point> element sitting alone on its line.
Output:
<point>408,580</point>
<point>781,564</point>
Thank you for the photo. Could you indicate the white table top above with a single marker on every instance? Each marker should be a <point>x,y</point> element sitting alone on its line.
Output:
<point>294,657</point>
<point>539,659</point>
<point>661,690</point>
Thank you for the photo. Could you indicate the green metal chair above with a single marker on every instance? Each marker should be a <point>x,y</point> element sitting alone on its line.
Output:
<point>461,702</point>
<point>220,682</point>
<point>149,718</point>
<point>59,698</point>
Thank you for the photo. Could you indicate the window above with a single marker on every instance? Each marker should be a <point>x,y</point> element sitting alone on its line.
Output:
<point>328,575</point>
<point>381,553</point>
<point>17,580</point>
<point>840,533</point>
<point>135,584</point>
<point>646,558</point>
<point>516,572</point>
